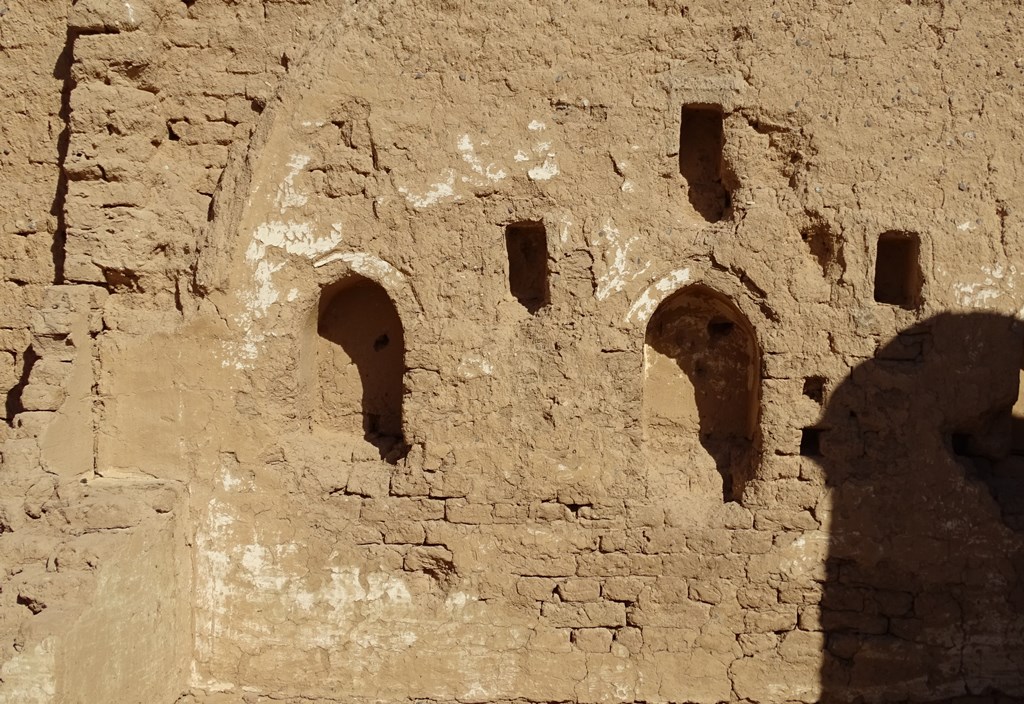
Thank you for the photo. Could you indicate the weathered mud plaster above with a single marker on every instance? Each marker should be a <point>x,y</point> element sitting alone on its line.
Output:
<point>720,446</point>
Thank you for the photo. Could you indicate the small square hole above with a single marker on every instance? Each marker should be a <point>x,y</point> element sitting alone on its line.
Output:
<point>810,442</point>
<point>814,388</point>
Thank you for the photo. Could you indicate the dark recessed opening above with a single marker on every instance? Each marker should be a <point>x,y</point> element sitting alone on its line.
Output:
<point>719,328</point>
<point>814,388</point>
<point>361,365</point>
<point>701,399</point>
<point>701,139</point>
<point>898,269</point>
<point>810,442</point>
<point>527,246</point>
<point>961,443</point>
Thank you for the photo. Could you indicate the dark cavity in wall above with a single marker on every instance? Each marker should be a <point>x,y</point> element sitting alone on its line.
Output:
<point>898,277</point>
<point>62,72</point>
<point>814,388</point>
<point>701,139</point>
<point>824,247</point>
<point>810,442</point>
<point>361,365</point>
<point>701,387</point>
<point>527,246</point>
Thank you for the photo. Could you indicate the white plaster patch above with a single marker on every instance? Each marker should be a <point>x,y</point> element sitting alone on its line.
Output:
<point>208,684</point>
<point>803,555</point>
<point>367,265</point>
<point>457,601</point>
<point>29,676</point>
<point>643,308</point>
<point>264,294</point>
<point>239,575</point>
<point>563,230</point>
<point>230,483</point>
<point>131,12</point>
<point>293,238</point>
<point>627,186</point>
<point>213,565</point>
<point>994,283</point>
<point>521,156</point>
<point>262,568</point>
<point>474,366</point>
<point>615,253</point>
<point>535,126</point>
<point>490,172</point>
<point>438,192</point>
<point>544,172</point>
<point>381,586</point>
<point>287,195</point>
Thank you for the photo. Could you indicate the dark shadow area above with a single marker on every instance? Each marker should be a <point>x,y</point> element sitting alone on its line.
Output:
<point>62,72</point>
<point>527,247</point>
<point>923,595</point>
<point>702,382</point>
<point>361,364</point>
<point>13,404</point>
<point>701,139</point>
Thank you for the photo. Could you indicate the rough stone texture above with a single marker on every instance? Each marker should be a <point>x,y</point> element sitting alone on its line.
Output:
<point>511,352</point>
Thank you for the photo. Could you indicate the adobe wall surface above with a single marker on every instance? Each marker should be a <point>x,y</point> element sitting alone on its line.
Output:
<point>499,351</point>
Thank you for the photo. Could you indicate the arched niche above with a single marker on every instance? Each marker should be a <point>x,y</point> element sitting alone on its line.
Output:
<point>360,363</point>
<point>701,384</point>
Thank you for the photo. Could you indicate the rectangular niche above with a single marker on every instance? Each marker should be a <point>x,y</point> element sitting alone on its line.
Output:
<point>898,277</point>
<point>527,246</point>
<point>701,139</point>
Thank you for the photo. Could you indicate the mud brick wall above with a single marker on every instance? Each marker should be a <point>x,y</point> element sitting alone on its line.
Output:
<point>511,352</point>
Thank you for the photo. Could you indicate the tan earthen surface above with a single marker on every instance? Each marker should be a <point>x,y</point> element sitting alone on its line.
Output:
<point>498,351</point>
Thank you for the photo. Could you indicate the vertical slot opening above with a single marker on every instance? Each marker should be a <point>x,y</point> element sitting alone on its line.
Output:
<point>701,139</point>
<point>898,278</point>
<point>527,247</point>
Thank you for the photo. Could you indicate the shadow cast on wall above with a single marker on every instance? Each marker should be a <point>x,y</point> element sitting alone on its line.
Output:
<point>923,599</point>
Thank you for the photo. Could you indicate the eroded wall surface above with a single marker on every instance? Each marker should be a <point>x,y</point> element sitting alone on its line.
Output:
<point>480,352</point>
